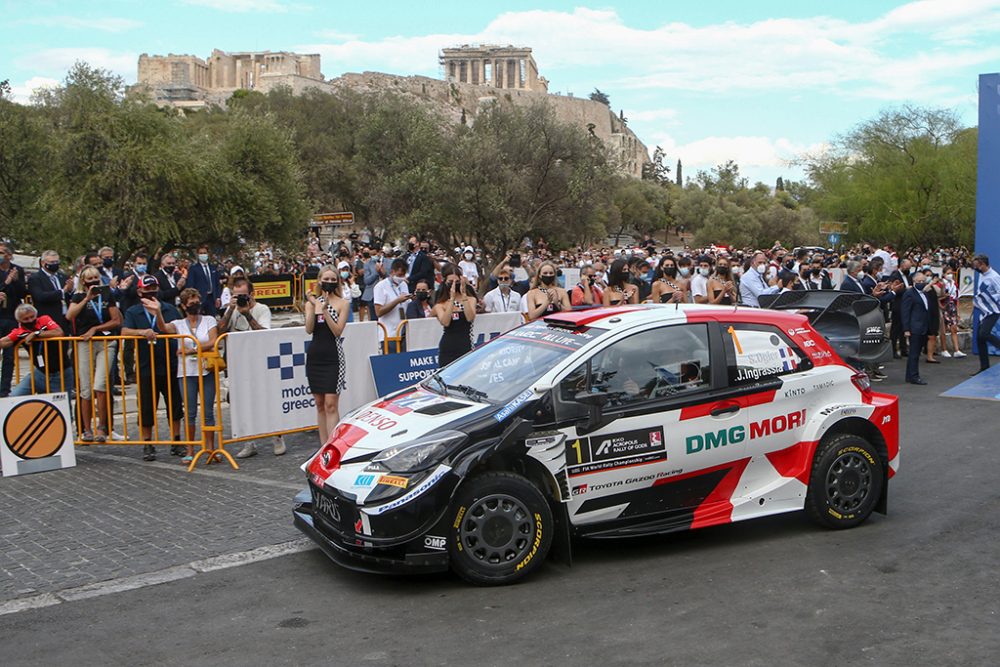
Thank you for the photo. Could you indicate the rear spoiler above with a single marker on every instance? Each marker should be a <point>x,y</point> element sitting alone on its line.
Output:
<point>852,322</point>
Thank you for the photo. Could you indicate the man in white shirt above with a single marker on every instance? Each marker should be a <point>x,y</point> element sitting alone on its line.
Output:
<point>699,282</point>
<point>753,283</point>
<point>502,299</point>
<point>391,295</point>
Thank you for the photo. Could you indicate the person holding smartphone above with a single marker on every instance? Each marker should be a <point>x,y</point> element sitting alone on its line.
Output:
<point>455,309</point>
<point>326,312</point>
<point>94,315</point>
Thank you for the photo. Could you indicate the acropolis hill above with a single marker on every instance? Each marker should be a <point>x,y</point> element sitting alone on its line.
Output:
<point>474,78</point>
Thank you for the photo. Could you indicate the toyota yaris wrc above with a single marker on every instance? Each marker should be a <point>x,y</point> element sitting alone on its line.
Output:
<point>605,423</point>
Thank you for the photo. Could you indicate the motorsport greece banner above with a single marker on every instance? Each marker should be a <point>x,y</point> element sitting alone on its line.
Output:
<point>268,390</point>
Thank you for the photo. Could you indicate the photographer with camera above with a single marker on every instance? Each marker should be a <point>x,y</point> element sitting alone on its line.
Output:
<point>94,314</point>
<point>510,262</point>
<point>586,292</point>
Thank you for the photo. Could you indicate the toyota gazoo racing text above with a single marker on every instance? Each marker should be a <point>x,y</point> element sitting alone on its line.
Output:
<point>600,424</point>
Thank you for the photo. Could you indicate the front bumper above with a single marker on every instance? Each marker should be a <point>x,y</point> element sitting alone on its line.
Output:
<point>368,559</point>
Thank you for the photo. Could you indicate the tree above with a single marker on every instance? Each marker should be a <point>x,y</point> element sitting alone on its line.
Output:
<point>657,170</point>
<point>25,168</point>
<point>680,176</point>
<point>779,186</point>
<point>724,179</point>
<point>598,96</point>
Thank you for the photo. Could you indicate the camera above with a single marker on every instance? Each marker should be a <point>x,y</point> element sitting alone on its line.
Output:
<point>515,259</point>
<point>242,300</point>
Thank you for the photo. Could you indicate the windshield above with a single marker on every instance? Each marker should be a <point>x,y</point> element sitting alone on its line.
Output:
<point>507,365</point>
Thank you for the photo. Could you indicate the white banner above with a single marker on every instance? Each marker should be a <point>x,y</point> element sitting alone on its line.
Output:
<point>966,282</point>
<point>268,389</point>
<point>570,277</point>
<point>425,333</point>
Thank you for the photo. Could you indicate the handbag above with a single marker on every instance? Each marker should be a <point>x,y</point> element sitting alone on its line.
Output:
<point>214,361</point>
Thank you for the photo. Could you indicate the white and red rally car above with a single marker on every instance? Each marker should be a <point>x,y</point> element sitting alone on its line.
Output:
<point>599,424</point>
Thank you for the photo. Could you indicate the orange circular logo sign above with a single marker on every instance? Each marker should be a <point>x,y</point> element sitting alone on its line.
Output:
<point>34,430</point>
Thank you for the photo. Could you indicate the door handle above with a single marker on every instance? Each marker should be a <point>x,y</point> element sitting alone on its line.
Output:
<point>725,410</point>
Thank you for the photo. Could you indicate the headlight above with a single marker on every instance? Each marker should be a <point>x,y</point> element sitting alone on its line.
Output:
<point>420,453</point>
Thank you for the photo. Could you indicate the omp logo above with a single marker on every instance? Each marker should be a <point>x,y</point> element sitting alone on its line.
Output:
<point>737,434</point>
<point>286,360</point>
<point>434,542</point>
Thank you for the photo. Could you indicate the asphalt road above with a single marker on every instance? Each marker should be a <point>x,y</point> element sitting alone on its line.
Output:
<point>916,587</point>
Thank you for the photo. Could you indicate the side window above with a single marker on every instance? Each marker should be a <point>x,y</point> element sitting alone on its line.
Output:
<point>755,352</point>
<point>654,364</point>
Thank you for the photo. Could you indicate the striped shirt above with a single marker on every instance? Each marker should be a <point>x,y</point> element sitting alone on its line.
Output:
<point>987,300</point>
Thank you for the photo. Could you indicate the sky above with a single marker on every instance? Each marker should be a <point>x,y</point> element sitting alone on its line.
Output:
<point>758,82</point>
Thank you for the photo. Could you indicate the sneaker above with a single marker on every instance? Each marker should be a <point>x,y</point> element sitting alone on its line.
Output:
<point>877,378</point>
<point>178,450</point>
<point>148,453</point>
<point>248,450</point>
<point>116,436</point>
<point>279,445</point>
<point>945,353</point>
<point>879,375</point>
<point>959,354</point>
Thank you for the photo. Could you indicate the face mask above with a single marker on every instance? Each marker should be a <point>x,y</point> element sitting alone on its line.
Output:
<point>366,255</point>
<point>761,268</point>
<point>723,270</point>
<point>919,284</point>
<point>193,308</point>
<point>30,326</point>
<point>396,280</point>
<point>203,258</point>
<point>345,274</point>
<point>147,295</point>
<point>949,278</point>
<point>816,272</point>
<point>422,295</point>
<point>670,271</point>
<point>926,267</point>
<point>704,271</point>
<point>468,256</point>
<point>328,286</point>
<point>108,262</point>
<point>169,270</point>
<point>547,280</point>
<point>684,271</point>
<point>52,267</point>
<point>3,260</point>
<point>140,268</point>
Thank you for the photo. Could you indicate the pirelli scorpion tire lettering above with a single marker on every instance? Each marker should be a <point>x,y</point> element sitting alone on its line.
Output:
<point>846,482</point>
<point>501,529</point>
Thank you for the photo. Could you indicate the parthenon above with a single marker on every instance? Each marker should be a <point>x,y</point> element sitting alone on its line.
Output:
<point>496,66</point>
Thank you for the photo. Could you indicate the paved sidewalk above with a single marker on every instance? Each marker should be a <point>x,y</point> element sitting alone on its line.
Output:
<point>115,515</point>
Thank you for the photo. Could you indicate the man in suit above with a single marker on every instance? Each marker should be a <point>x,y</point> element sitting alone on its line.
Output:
<point>12,291</point>
<point>170,279</point>
<point>50,289</point>
<point>423,266</point>
<point>109,272</point>
<point>900,282</point>
<point>915,323</point>
<point>852,280</point>
<point>204,277</point>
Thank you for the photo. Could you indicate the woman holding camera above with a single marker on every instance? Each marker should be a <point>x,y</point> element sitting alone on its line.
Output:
<point>455,309</point>
<point>205,330</point>
<point>546,297</point>
<point>94,314</point>
<point>327,312</point>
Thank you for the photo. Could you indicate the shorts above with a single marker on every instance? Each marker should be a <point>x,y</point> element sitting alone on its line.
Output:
<point>105,355</point>
<point>150,388</point>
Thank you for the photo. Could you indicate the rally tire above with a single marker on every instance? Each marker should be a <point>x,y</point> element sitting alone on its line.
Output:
<point>846,482</point>
<point>500,529</point>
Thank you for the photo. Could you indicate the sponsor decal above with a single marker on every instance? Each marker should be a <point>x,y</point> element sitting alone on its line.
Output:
<point>327,507</point>
<point>799,391</point>
<point>823,385</point>
<point>831,409</point>
<point>540,332</point>
<point>431,480</point>
<point>375,467</point>
<point>800,331</point>
<point>820,354</point>
<point>458,517</point>
<point>579,490</point>
<point>381,422</point>
<point>364,480</point>
<point>615,450</point>
<point>510,408</point>
<point>737,434</point>
<point>394,480</point>
<point>886,419</point>
<point>546,441</point>
<point>324,458</point>
<point>809,343</point>
<point>434,542</point>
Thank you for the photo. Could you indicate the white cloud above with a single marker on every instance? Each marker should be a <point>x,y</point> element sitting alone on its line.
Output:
<point>658,116</point>
<point>749,152</point>
<point>107,24</point>
<point>337,36</point>
<point>22,93</point>
<point>60,60</point>
<point>242,5</point>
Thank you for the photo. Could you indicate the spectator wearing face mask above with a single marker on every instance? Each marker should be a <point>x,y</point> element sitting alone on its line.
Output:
<point>915,324</point>
<point>94,315</point>
<point>721,286</point>
<point>699,283</point>
<point>753,283</point>
<point>227,292</point>
<point>391,296</point>
<point>50,364</point>
<point>157,361</point>
<point>374,271</point>
<point>620,289</point>
<point>421,305</point>
<point>50,289</point>
<point>667,287</point>
<point>326,314</point>
<point>547,297</point>
<point>204,277</point>
<point>948,303</point>
<point>351,291</point>
<point>171,279</point>
<point>455,309</point>
<point>424,266</point>
<point>469,267</point>
<point>197,384</point>
<point>503,298</point>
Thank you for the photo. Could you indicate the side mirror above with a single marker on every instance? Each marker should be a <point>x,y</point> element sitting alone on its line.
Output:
<point>595,418</point>
<point>593,399</point>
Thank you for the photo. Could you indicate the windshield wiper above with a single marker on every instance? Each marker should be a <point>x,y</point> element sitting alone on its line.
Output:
<point>470,392</point>
<point>437,378</point>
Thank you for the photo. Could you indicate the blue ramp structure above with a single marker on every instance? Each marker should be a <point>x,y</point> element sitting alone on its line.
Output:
<point>985,386</point>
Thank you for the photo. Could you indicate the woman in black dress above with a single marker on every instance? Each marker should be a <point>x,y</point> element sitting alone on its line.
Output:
<point>455,309</point>
<point>721,286</point>
<point>326,317</point>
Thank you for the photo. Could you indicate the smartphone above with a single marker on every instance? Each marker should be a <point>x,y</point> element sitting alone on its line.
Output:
<point>104,291</point>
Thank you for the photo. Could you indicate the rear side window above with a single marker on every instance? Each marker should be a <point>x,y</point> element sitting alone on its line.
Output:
<point>756,352</point>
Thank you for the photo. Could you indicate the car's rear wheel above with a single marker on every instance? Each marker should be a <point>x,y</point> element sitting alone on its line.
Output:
<point>501,529</point>
<point>846,482</point>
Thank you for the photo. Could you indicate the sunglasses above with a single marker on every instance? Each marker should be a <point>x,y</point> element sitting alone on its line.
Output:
<point>503,280</point>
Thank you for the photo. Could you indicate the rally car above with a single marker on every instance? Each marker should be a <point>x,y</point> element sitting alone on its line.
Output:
<point>605,423</point>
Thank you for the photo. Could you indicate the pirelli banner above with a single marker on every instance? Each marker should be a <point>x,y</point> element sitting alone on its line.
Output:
<point>274,291</point>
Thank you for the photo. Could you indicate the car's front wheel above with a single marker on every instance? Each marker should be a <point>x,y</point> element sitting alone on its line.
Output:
<point>846,482</point>
<point>501,529</point>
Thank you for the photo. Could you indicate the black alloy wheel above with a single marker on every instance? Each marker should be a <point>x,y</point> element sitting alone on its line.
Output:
<point>846,481</point>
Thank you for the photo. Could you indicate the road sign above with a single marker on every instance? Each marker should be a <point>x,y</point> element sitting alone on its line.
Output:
<point>35,434</point>
<point>834,239</point>
<point>333,219</point>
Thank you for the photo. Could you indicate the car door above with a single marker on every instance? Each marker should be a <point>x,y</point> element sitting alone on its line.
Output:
<point>651,457</point>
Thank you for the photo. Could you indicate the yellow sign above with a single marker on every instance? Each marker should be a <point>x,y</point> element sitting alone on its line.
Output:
<point>393,480</point>
<point>344,218</point>
<point>272,290</point>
